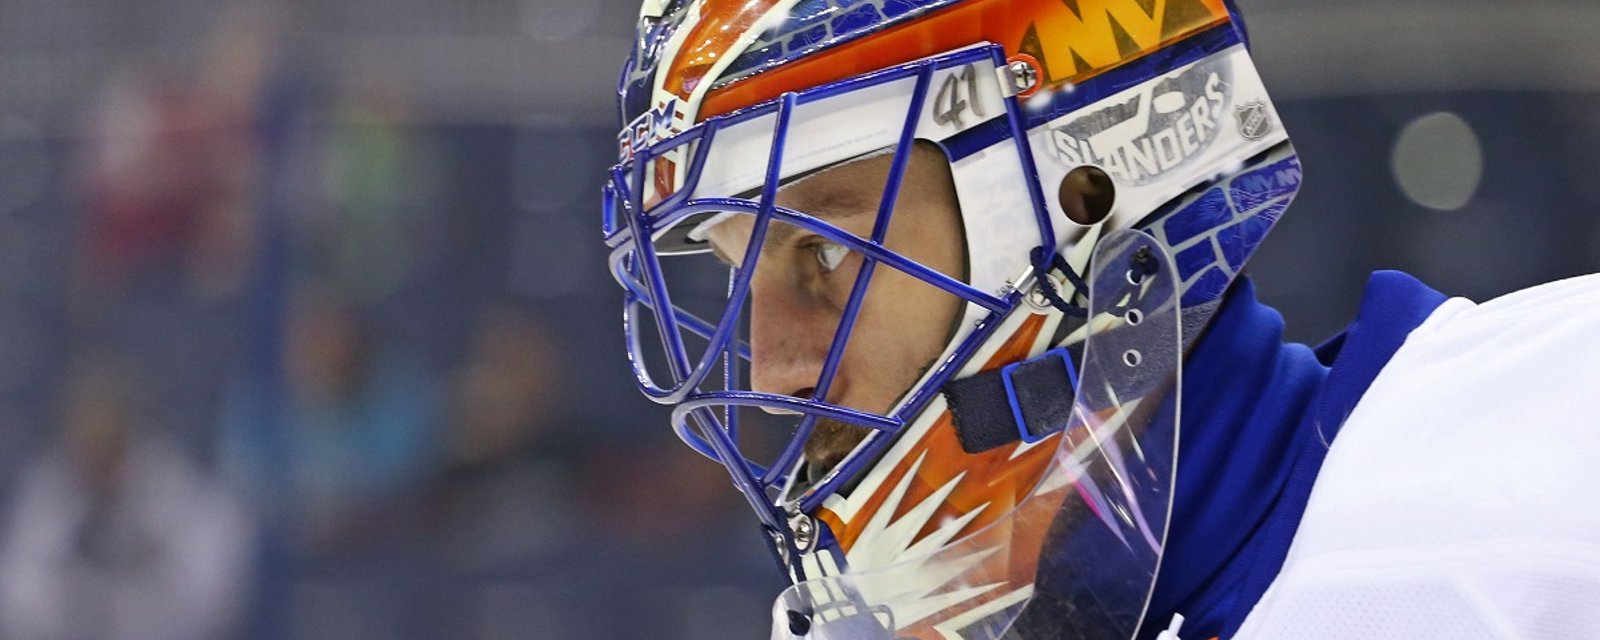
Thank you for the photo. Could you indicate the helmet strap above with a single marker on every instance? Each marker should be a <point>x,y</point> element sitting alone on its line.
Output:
<point>1027,401</point>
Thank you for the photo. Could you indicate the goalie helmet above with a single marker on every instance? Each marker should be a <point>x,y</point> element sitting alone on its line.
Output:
<point>1114,162</point>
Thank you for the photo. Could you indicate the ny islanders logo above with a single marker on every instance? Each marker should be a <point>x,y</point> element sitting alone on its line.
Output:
<point>1161,127</point>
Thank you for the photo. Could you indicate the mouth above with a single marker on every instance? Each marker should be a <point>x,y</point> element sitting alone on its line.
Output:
<point>831,440</point>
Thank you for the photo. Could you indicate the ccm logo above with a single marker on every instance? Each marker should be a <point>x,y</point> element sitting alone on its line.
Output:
<point>650,127</point>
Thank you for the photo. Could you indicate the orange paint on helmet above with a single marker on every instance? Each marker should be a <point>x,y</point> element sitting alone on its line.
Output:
<point>1070,45</point>
<point>665,180</point>
<point>722,23</point>
<point>1014,520</point>
<point>992,476</point>
<point>996,481</point>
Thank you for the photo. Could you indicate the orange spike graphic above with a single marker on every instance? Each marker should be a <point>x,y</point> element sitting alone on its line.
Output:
<point>992,476</point>
<point>1074,41</point>
<point>992,483</point>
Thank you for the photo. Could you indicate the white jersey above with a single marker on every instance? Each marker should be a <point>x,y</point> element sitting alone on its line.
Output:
<point>1460,498</point>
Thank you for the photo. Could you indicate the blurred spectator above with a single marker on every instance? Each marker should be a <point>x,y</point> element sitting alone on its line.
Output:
<point>360,422</point>
<point>114,534</point>
<point>376,188</point>
<point>507,492</point>
<point>505,392</point>
<point>166,180</point>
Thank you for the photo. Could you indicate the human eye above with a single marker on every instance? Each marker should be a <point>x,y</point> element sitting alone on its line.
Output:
<point>829,254</point>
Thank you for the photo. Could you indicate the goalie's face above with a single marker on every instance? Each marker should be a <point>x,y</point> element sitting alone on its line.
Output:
<point>802,283</point>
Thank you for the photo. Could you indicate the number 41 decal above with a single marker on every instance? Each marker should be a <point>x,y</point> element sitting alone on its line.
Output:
<point>958,93</point>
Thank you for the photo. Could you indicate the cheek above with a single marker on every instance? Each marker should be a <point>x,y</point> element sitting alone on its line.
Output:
<point>908,320</point>
<point>912,320</point>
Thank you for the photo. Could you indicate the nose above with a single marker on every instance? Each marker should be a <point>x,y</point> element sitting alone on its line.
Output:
<point>789,337</point>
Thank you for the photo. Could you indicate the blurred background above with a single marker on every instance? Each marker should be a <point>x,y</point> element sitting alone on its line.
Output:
<point>305,330</point>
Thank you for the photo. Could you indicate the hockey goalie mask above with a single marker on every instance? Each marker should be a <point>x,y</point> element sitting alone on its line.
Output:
<point>920,275</point>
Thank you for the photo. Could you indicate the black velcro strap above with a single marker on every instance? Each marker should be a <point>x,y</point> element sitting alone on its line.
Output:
<point>1026,400</point>
<point>982,412</point>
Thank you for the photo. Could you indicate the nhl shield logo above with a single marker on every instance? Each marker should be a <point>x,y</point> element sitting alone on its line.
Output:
<point>1254,119</point>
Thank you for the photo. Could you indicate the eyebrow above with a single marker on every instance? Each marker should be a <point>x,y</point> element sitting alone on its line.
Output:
<point>831,206</point>
<point>828,204</point>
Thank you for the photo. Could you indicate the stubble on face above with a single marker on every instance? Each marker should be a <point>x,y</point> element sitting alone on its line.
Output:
<point>828,445</point>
